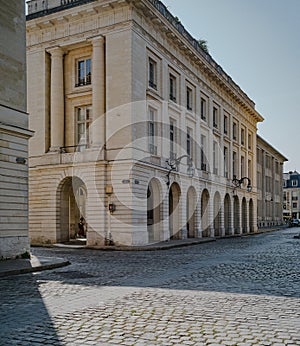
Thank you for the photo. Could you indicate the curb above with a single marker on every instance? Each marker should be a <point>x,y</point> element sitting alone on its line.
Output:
<point>26,270</point>
<point>164,246</point>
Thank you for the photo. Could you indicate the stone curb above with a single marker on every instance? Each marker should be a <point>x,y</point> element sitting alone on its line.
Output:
<point>164,246</point>
<point>24,270</point>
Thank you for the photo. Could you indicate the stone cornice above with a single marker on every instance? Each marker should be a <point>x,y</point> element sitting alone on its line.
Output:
<point>175,31</point>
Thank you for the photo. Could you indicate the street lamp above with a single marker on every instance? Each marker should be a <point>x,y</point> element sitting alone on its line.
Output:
<point>173,164</point>
<point>238,183</point>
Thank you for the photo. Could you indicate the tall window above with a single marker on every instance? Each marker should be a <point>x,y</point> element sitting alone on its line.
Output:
<point>234,164</point>
<point>152,71</point>
<point>189,98</point>
<point>84,118</point>
<point>225,124</point>
<point>84,72</point>
<point>203,108</point>
<point>249,141</point>
<point>234,131</point>
<point>172,87</point>
<point>242,166</point>
<point>172,139</point>
<point>243,136</point>
<point>151,132</point>
<point>203,153</point>
<point>225,162</point>
<point>215,117</point>
<point>189,148</point>
<point>215,158</point>
<point>250,169</point>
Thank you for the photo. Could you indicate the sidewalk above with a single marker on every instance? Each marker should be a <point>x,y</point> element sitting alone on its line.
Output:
<point>164,245</point>
<point>22,266</point>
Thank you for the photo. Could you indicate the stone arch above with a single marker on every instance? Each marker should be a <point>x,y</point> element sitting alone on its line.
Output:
<point>227,214</point>
<point>244,215</point>
<point>71,200</point>
<point>205,213</point>
<point>236,215</point>
<point>217,214</point>
<point>174,211</point>
<point>154,211</point>
<point>251,216</point>
<point>191,206</point>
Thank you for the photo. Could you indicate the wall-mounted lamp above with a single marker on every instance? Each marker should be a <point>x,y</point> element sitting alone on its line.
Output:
<point>174,163</point>
<point>238,183</point>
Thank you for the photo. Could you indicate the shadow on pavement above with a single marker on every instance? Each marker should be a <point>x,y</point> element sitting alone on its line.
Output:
<point>23,313</point>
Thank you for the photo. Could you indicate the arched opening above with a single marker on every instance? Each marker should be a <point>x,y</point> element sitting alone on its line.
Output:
<point>244,215</point>
<point>236,213</point>
<point>191,204</point>
<point>217,214</point>
<point>72,196</point>
<point>251,216</point>
<point>154,211</point>
<point>205,213</point>
<point>174,220</point>
<point>227,213</point>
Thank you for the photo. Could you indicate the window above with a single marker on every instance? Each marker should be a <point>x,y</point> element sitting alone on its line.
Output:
<point>242,166</point>
<point>152,70</point>
<point>294,182</point>
<point>226,162</point>
<point>250,169</point>
<point>243,136</point>
<point>172,87</point>
<point>152,132</point>
<point>203,109</point>
<point>189,148</point>
<point>84,72</point>
<point>83,118</point>
<point>215,117</point>
<point>203,153</point>
<point>215,158</point>
<point>295,205</point>
<point>234,131</point>
<point>225,124</point>
<point>172,139</point>
<point>234,164</point>
<point>189,98</point>
<point>249,141</point>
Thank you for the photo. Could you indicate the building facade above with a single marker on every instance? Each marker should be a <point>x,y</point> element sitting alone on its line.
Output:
<point>14,133</point>
<point>137,128</point>
<point>291,195</point>
<point>269,185</point>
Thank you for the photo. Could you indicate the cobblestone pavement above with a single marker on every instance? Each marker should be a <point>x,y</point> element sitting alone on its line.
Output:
<point>235,291</point>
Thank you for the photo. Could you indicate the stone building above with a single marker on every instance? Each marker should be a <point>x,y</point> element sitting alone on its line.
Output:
<point>291,195</point>
<point>14,133</point>
<point>137,128</point>
<point>269,184</point>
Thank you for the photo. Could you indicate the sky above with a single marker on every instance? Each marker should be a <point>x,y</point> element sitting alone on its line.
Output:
<point>257,42</point>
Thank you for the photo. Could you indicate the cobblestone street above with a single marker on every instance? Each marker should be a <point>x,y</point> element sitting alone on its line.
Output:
<point>235,291</point>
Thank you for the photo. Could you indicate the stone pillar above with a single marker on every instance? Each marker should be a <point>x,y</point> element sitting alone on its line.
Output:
<point>57,99</point>
<point>198,223</point>
<point>222,226</point>
<point>98,97</point>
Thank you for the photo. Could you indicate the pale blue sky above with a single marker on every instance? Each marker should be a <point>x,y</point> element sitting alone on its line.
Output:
<point>257,42</point>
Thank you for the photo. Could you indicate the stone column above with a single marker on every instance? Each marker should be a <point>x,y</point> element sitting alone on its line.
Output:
<point>98,97</point>
<point>57,99</point>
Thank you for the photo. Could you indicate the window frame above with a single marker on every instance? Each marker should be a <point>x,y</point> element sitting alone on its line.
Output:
<point>172,87</point>
<point>86,79</point>
<point>86,121</point>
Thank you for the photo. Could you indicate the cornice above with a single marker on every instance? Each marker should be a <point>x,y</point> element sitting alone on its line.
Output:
<point>166,23</point>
